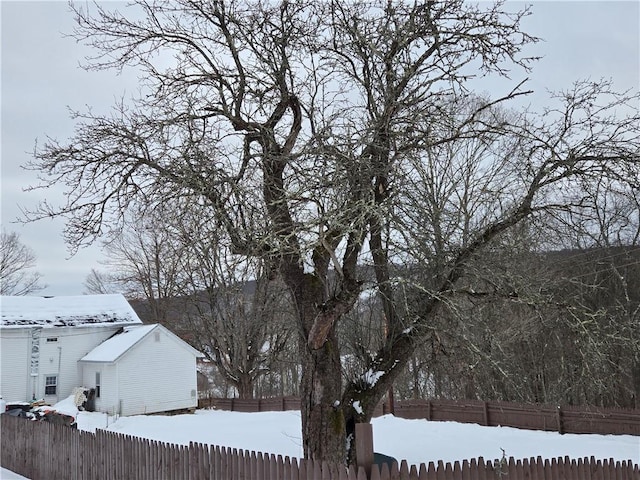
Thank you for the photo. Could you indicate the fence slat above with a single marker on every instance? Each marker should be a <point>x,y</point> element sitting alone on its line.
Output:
<point>45,450</point>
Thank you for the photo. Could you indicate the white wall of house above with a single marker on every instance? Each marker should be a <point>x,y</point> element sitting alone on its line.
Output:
<point>15,379</point>
<point>71,346</point>
<point>60,348</point>
<point>109,394</point>
<point>157,374</point>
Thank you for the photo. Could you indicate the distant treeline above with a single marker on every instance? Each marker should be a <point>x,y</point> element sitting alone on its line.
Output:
<point>559,327</point>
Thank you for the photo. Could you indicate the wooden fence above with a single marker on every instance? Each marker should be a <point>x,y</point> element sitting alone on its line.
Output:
<point>41,450</point>
<point>563,419</point>
<point>275,404</point>
<point>568,419</point>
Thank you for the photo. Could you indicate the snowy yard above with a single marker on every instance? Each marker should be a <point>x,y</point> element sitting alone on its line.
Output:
<point>417,441</point>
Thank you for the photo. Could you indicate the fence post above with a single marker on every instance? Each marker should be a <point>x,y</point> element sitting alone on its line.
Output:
<point>364,446</point>
<point>559,419</point>
<point>485,413</point>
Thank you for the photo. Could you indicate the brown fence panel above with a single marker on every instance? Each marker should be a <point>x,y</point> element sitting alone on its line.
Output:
<point>600,420</point>
<point>271,405</point>
<point>19,445</point>
<point>275,404</point>
<point>292,403</point>
<point>240,405</point>
<point>535,417</point>
<point>569,419</point>
<point>46,451</point>
<point>459,411</point>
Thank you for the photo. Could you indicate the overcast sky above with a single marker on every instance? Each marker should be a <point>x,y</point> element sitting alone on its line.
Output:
<point>41,78</point>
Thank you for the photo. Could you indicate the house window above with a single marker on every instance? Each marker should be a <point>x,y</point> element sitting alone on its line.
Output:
<point>50,385</point>
<point>97,384</point>
<point>52,339</point>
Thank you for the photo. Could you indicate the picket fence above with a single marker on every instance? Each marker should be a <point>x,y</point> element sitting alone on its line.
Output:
<point>40,450</point>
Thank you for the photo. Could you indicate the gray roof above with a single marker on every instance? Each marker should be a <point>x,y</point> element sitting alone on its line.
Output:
<point>66,311</point>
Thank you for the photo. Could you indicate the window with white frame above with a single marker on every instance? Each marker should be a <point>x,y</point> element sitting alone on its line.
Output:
<point>97,384</point>
<point>50,384</point>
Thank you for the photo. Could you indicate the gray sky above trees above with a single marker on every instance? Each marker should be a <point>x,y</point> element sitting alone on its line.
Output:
<point>41,78</point>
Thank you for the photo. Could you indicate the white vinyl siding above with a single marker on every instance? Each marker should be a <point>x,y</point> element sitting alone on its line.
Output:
<point>70,347</point>
<point>156,373</point>
<point>59,358</point>
<point>146,388</point>
<point>108,401</point>
<point>15,377</point>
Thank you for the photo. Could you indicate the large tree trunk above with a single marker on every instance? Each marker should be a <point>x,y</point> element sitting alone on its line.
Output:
<point>323,426</point>
<point>245,386</point>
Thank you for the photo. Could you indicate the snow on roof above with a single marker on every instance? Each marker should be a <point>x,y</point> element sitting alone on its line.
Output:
<point>66,311</point>
<point>111,349</point>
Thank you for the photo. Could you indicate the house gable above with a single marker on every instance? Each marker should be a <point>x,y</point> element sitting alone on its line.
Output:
<point>118,345</point>
<point>142,369</point>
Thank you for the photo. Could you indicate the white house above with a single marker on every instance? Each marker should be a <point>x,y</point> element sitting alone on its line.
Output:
<point>50,345</point>
<point>143,369</point>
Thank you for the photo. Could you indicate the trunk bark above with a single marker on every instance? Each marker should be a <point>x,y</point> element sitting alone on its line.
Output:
<point>323,426</point>
<point>245,387</point>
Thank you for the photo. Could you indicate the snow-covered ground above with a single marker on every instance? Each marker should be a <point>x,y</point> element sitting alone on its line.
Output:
<point>417,441</point>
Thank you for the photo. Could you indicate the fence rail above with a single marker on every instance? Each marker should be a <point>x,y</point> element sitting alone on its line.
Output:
<point>567,419</point>
<point>40,450</point>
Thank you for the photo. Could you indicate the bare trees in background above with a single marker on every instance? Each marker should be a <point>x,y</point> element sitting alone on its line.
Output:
<point>17,261</point>
<point>243,329</point>
<point>533,324</point>
<point>174,271</point>
<point>100,282</point>
<point>564,331</point>
<point>324,137</point>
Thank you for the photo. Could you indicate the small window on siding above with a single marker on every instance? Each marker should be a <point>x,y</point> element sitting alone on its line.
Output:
<point>157,336</point>
<point>52,339</point>
<point>98,384</point>
<point>50,385</point>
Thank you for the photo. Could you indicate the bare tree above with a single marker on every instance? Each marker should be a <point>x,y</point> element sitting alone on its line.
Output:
<point>533,325</point>
<point>241,326</point>
<point>101,282</point>
<point>148,264</point>
<point>295,130</point>
<point>16,264</point>
<point>174,271</point>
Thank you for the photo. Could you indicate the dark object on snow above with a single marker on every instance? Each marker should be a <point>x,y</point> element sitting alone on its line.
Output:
<point>41,414</point>
<point>90,403</point>
<point>380,459</point>
<point>59,419</point>
<point>23,406</point>
<point>16,412</point>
